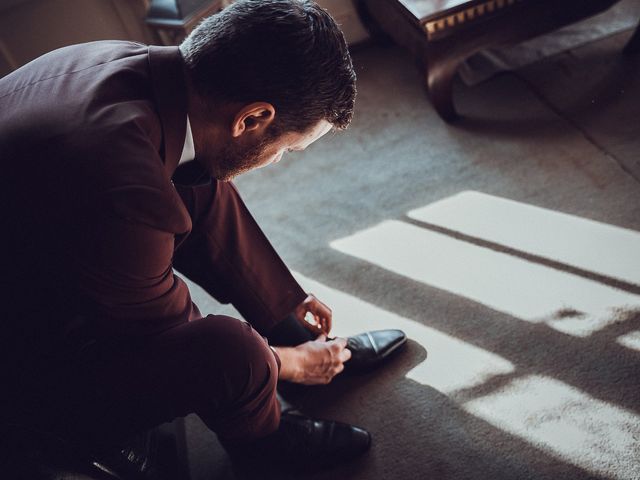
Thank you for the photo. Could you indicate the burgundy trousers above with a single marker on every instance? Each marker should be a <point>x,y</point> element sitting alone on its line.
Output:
<point>100,391</point>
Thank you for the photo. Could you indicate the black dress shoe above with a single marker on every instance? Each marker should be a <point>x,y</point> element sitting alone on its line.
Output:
<point>134,459</point>
<point>301,444</point>
<point>370,349</point>
<point>150,455</point>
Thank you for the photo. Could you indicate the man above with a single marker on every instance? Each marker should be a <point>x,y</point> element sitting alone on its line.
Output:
<point>116,164</point>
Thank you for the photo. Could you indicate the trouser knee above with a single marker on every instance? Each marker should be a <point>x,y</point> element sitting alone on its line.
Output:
<point>244,379</point>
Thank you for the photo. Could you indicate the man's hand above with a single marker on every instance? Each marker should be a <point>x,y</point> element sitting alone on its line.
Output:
<point>315,362</point>
<point>314,315</point>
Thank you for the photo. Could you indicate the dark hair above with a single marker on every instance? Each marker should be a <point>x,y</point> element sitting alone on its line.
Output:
<point>290,53</point>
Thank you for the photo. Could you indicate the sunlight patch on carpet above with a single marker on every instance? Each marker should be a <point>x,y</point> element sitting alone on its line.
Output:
<point>566,422</point>
<point>579,242</point>
<point>630,340</point>
<point>525,290</point>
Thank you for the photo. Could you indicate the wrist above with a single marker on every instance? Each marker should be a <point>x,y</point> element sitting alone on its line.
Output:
<point>289,363</point>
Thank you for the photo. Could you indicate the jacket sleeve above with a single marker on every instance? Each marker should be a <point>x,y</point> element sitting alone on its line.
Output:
<point>123,261</point>
<point>230,257</point>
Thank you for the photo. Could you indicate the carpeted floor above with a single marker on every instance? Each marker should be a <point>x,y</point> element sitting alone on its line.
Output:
<point>524,332</point>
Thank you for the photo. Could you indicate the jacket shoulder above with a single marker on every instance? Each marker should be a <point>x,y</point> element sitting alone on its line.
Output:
<point>69,60</point>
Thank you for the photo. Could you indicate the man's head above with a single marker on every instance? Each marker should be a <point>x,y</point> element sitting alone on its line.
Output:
<point>265,71</point>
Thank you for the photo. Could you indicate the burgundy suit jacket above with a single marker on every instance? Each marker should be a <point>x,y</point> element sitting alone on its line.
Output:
<point>90,136</point>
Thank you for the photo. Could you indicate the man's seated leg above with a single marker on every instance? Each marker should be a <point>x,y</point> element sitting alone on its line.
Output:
<point>100,391</point>
<point>219,367</point>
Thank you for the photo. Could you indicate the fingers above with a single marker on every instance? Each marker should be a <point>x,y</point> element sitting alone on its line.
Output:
<point>322,359</point>
<point>326,379</point>
<point>335,370</point>
<point>339,341</point>
<point>321,313</point>
<point>310,323</point>
<point>314,315</point>
<point>339,349</point>
<point>340,355</point>
<point>325,324</point>
<point>345,355</point>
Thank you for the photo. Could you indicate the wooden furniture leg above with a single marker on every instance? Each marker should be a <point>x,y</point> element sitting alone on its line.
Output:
<point>439,76</point>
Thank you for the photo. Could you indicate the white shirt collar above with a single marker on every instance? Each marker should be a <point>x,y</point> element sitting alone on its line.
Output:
<point>189,150</point>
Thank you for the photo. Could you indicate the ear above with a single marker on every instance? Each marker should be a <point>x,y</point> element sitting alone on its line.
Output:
<point>254,117</point>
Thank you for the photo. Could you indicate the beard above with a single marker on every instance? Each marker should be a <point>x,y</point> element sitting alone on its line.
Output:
<point>226,162</point>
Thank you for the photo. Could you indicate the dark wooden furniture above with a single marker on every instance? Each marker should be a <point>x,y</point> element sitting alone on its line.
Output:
<point>174,19</point>
<point>443,33</point>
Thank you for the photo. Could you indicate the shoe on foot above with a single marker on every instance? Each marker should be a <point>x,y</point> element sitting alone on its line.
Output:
<point>370,349</point>
<point>302,444</point>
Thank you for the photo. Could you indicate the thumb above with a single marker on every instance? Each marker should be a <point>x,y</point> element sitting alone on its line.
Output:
<point>321,338</point>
